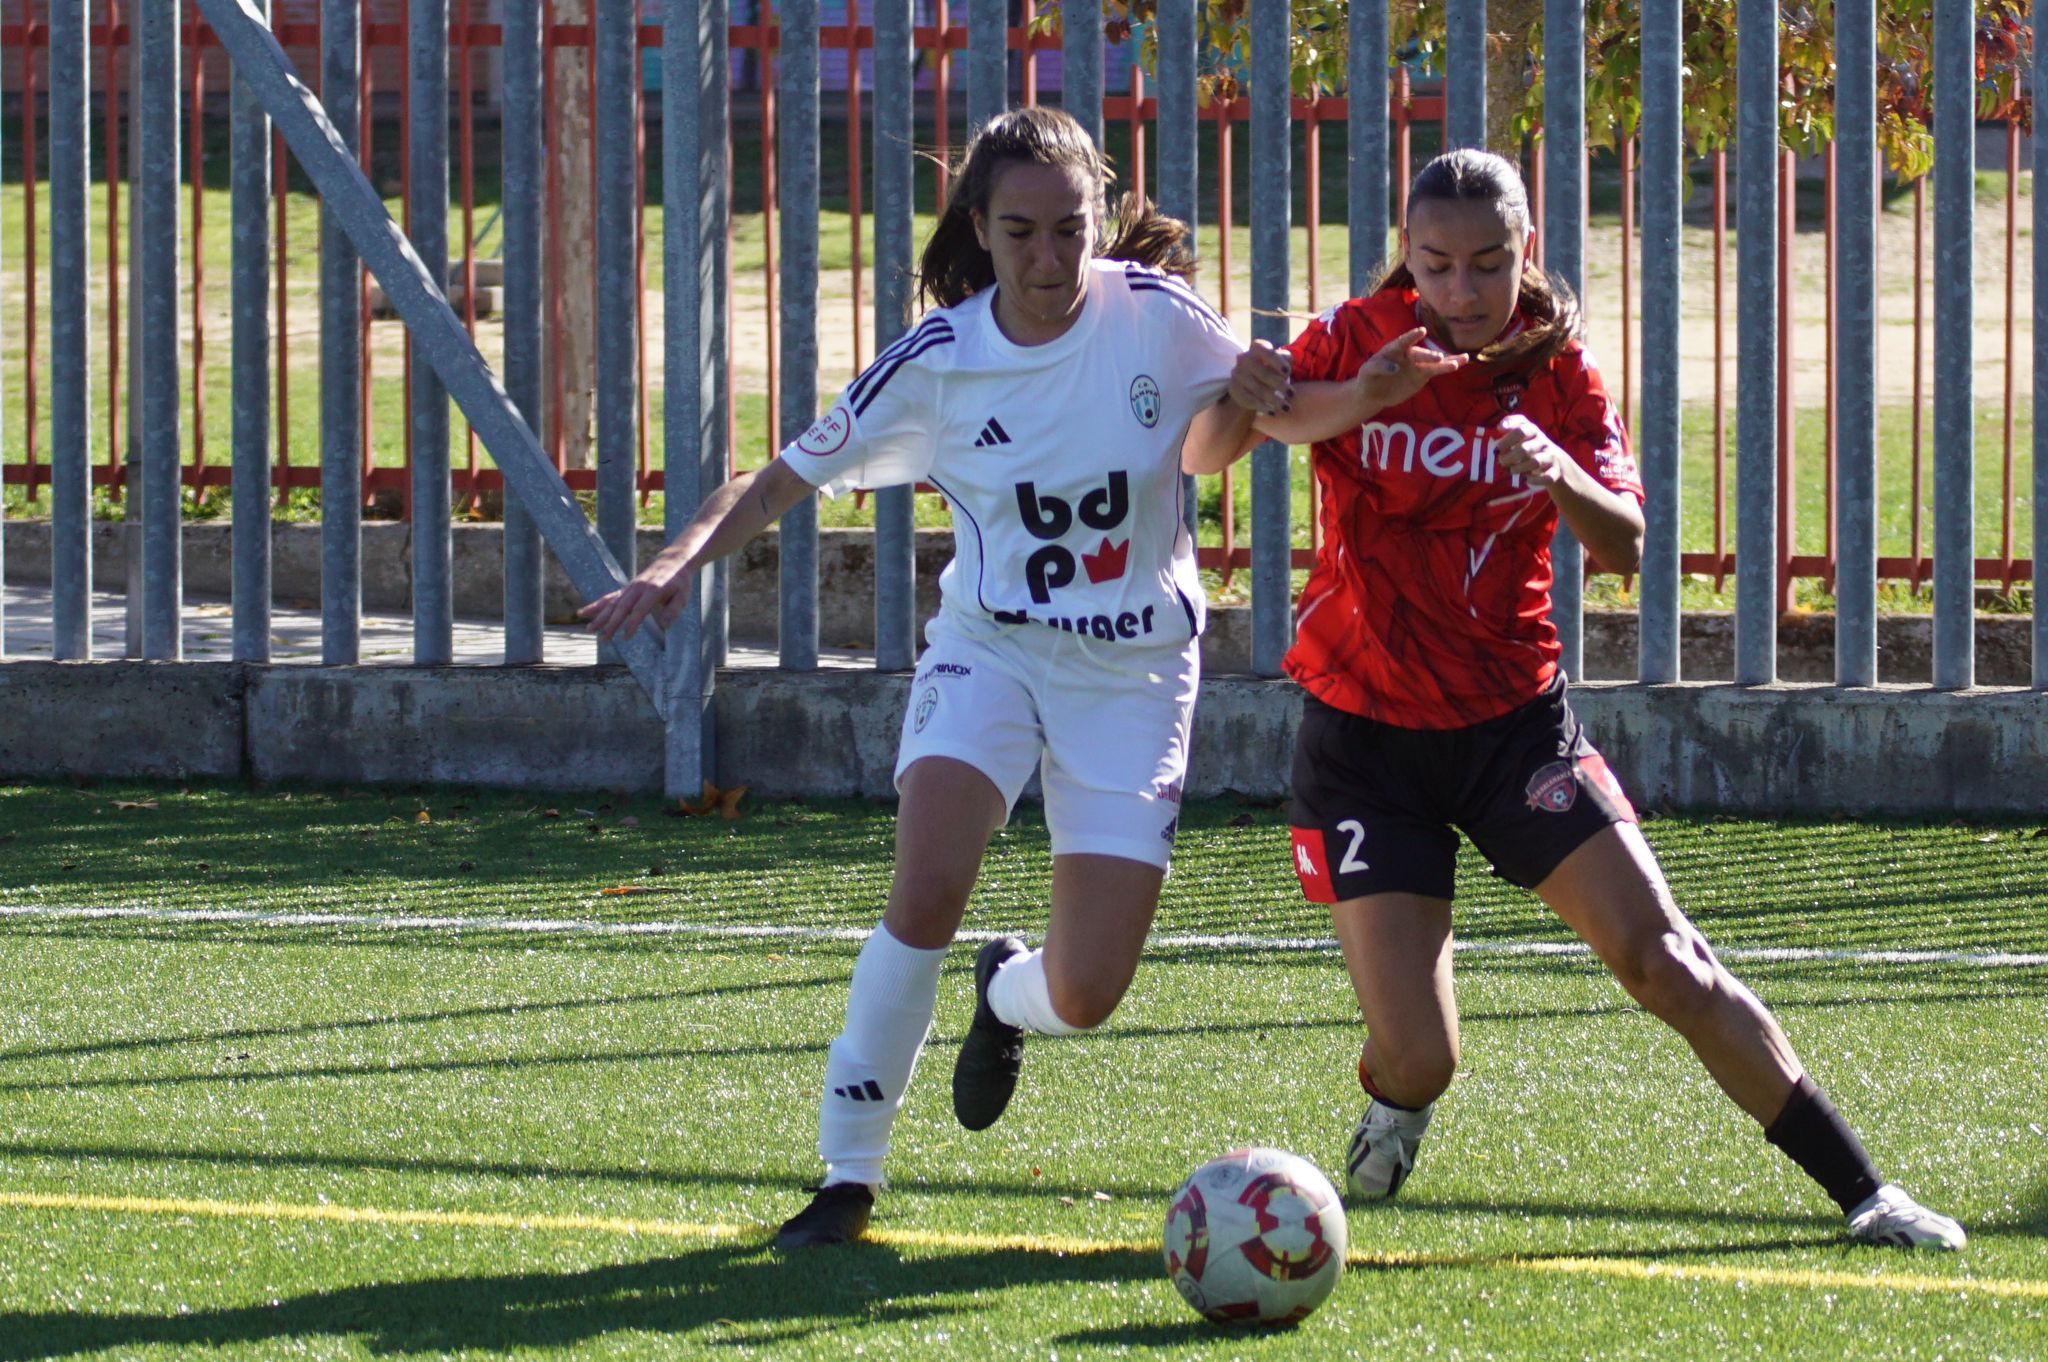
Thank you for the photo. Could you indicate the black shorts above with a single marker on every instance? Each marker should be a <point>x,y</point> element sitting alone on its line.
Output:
<point>1375,806</point>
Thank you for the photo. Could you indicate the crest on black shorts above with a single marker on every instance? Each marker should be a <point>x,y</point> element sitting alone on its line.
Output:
<point>1554,789</point>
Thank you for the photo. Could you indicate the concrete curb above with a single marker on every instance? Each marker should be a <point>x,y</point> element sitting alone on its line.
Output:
<point>1766,749</point>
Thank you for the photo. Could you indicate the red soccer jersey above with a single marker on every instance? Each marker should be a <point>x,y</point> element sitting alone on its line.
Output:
<point>1429,605</point>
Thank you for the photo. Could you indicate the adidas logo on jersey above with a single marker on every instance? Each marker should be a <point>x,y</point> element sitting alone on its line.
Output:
<point>866,1092</point>
<point>992,434</point>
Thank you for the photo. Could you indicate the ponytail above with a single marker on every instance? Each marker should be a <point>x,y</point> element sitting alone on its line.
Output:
<point>954,266</point>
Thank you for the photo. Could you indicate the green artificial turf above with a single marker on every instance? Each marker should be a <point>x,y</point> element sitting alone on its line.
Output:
<point>575,1141</point>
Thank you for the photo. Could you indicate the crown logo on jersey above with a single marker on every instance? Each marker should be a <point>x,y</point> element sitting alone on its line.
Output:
<point>1107,562</point>
<point>992,435</point>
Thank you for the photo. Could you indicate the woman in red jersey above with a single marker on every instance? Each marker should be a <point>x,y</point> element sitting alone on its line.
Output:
<point>1455,417</point>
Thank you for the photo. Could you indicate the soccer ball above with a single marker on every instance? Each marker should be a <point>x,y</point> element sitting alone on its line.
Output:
<point>1255,1237</point>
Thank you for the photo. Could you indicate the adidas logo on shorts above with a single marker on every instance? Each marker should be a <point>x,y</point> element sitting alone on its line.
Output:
<point>992,435</point>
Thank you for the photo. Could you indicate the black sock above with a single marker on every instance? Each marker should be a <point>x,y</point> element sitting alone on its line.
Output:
<point>1814,1136</point>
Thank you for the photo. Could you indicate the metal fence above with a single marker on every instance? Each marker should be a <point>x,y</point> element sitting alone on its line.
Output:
<point>145,451</point>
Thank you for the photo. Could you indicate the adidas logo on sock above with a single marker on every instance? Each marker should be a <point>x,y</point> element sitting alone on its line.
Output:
<point>992,435</point>
<point>866,1092</point>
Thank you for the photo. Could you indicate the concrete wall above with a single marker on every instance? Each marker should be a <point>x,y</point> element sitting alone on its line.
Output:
<point>1770,749</point>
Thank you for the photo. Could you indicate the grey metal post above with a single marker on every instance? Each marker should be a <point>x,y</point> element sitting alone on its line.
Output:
<point>433,550</point>
<point>894,112</point>
<point>1366,86</point>
<point>2040,385</point>
<point>437,332</point>
<point>1955,439</point>
<point>155,107</point>
<point>1657,429</point>
<point>1178,149</point>
<point>70,384</point>
<point>693,166</point>
<point>131,436</point>
<point>1465,71</point>
<point>1081,63</point>
<point>618,283</point>
<point>1756,329</point>
<point>1856,204</point>
<point>796,149</point>
<point>1272,127</point>
<point>988,61</point>
<point>341,367</point>
<point>249,171</point>
<point>520,126</point>
<point>1564,255</point>
<point>716,455</point>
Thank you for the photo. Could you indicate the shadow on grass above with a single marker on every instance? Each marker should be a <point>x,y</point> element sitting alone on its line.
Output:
<point>740,1294</point>
<point>339,1025</point>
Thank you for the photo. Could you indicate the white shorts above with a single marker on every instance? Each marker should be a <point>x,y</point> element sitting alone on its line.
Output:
<point>1106,726</point>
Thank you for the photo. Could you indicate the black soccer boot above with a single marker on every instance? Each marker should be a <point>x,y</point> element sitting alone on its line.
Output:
<point>838,1214</point>
<point>992,1054</point>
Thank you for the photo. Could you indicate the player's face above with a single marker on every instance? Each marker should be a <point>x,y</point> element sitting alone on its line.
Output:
<point>1467,263</point>
<point>1040,232</point>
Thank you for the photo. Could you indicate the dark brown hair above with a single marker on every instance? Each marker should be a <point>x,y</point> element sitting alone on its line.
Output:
<point>954,267</point>
<point>1469,175</point>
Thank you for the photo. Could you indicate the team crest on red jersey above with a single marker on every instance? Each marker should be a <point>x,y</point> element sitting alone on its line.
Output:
<point>1554,789</point>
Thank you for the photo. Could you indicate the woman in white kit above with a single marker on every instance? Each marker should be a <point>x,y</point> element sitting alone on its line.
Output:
<point>1046,395</point>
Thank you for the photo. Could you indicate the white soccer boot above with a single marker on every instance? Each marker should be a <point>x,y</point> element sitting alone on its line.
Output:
<point>1383,1150</point>
<point>1889,1216</point>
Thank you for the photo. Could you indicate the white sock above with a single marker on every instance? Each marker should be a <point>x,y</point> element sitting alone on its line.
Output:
<point>1019,995</point>
<point>888,1012</point>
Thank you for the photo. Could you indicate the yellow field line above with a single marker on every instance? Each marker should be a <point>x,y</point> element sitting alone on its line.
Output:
<point>1623,1268</point>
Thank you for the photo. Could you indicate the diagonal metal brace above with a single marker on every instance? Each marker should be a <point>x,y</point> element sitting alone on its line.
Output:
<point>437,335</point>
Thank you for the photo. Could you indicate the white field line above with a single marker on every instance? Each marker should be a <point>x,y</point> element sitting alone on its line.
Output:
<point>720,931</point>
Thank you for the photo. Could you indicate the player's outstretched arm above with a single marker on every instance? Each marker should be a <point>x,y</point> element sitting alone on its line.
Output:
<point>1260,382</point>
<point>1395,373</point>
<point>729,517</point>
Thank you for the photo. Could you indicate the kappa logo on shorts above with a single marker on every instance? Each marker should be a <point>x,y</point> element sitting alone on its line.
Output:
<point>1312,866</point>
<point>1554,789</point>
<point>926,703</point>
<point>1145,400</point>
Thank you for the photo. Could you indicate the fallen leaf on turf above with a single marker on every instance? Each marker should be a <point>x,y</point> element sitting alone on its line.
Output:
<point>777,958</point>
<point>585,813</point>
<point>423,817</point>
<point>467,865</point>
<point>629,821</point>
<point>1066,1201</point>
<point>1103,1196</point>
<point>618,890</point>
<point>723,802</point>
<point>550,813</point>
<point>135,803</point>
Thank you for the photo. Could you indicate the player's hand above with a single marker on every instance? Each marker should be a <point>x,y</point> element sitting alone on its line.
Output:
<point>1262,380</point>
<point>619,614</point>
<point>1525,451</point>
<point>1401,368</point>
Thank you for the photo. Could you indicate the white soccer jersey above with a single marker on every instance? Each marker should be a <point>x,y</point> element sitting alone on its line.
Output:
<point>1061,461</point>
